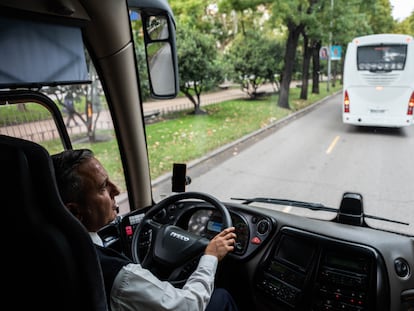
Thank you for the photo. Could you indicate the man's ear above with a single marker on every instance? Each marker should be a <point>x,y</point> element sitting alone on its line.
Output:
<point>74,208</point>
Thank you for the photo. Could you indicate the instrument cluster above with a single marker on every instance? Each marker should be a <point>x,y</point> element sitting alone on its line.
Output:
<point>251,230</point>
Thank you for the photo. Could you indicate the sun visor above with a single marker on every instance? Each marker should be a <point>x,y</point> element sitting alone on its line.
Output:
<point>34,54</point>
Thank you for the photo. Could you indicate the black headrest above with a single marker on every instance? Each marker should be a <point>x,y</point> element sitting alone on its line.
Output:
<point>50,259</point>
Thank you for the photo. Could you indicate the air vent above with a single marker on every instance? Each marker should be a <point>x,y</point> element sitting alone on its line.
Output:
<point>263,226</point>
<point>380,79</point>
<point>402,268</point>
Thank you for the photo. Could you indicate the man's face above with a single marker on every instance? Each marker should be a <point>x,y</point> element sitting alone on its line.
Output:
<point>99,207</point>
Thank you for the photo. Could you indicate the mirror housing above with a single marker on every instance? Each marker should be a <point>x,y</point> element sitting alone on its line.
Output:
<point>351,210</point>
<point>160,46</point>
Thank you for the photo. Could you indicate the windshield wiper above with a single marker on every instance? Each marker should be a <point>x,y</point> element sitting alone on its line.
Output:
<point>308,205</point>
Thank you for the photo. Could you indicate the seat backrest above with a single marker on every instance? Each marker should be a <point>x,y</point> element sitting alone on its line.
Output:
<point>49,260</point>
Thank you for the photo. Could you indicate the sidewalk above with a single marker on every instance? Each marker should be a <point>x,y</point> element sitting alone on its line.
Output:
<point>180,103</point>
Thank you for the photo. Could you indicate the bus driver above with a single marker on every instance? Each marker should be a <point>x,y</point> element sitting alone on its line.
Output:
<point>89,194</point>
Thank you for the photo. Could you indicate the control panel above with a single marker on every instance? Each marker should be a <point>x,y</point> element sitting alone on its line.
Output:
<point>308,272</point>
<point>343,282</point>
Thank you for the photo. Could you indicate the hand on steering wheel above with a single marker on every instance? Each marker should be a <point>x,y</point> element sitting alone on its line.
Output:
<point>173,250</point>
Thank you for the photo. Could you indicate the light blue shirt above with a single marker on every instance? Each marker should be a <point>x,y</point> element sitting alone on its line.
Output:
<point>136,288</point>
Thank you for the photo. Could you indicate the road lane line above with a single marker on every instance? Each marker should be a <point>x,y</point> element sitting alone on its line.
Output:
<point>332,145</point>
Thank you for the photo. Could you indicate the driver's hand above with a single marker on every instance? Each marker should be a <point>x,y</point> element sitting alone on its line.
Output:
<point>222,243</point>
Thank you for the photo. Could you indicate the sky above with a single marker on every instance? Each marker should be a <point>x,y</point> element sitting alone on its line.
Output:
<point>402,8</point>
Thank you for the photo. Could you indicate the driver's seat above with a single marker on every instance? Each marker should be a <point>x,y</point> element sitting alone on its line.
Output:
<point>49,260</point>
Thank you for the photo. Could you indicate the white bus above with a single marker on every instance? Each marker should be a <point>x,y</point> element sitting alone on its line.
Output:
<point>378,87</point>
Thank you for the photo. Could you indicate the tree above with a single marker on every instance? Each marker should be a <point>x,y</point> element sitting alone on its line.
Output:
<point>316,46</point>
<point>318,22</point>
<point>380,18</point>
<point>292,14</point>
<point>307,54</point>
<point>245,11</point>
<point>318,29</point>
<point>254,59</point>
<point>198,64</point>
<point>189,12</point>
<point>406,26</point>
<point>336,23</point>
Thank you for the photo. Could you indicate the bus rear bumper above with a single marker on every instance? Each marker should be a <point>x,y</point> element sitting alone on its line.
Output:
<point>375,121</point>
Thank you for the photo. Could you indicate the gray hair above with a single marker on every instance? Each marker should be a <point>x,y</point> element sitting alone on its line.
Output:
<point>69,182</point>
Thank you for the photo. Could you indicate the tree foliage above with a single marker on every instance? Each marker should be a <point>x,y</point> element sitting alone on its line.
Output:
<point>406,26</point>
<point>198,64</point>
<point>304,25</point>
<point>255,60</point>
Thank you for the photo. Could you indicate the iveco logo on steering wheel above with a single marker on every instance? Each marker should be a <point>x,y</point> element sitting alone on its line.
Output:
<point>179,236</point>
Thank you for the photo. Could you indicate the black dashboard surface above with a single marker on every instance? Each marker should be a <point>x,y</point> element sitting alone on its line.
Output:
<point>287,262</point>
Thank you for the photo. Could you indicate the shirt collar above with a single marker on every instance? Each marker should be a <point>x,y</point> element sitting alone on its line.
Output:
<point>96,239</point>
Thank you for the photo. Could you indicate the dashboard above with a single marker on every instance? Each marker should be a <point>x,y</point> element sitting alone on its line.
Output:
<point>252,229</point>
<point>287,262</point>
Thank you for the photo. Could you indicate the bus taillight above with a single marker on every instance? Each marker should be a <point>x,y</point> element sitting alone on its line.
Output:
<point>346,102</point>
<point>411,105</point>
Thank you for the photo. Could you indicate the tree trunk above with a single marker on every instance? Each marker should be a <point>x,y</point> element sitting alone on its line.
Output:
<point>21,107</point>
<point>316,67</point>
<point>198,88</point>
<point>190,97</point>
<point>335,72</point>
<point>305,67</point>
<point>290,53</point>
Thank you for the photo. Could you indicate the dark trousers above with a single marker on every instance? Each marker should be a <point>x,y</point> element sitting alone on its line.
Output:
<point>221,300</point>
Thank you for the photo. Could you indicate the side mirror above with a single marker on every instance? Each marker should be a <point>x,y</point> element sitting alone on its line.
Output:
<point>159,38</point>
<point>160,47</point>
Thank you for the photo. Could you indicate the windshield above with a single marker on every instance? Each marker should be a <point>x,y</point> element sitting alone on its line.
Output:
<point>382,57</point>
<point>238,143</point>
<point>236,132</point>
<point>314,158</point>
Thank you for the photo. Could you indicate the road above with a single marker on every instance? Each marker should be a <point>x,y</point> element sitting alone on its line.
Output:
<point>317,158</point>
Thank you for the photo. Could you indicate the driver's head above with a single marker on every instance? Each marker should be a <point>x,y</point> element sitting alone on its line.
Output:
<point>85,188</point>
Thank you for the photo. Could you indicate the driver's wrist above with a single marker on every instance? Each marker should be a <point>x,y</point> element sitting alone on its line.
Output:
<point>209,259</point>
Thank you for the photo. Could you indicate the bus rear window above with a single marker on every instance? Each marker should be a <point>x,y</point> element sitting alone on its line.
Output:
<point>381,57</point>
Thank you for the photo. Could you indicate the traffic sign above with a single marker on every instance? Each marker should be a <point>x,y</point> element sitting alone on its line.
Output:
<point>336,51</point>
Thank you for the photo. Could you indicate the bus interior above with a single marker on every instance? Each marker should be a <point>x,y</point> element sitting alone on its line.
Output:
<point>281,261</point>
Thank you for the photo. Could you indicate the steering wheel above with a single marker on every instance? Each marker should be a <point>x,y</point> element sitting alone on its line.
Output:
<point>173,251</point>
